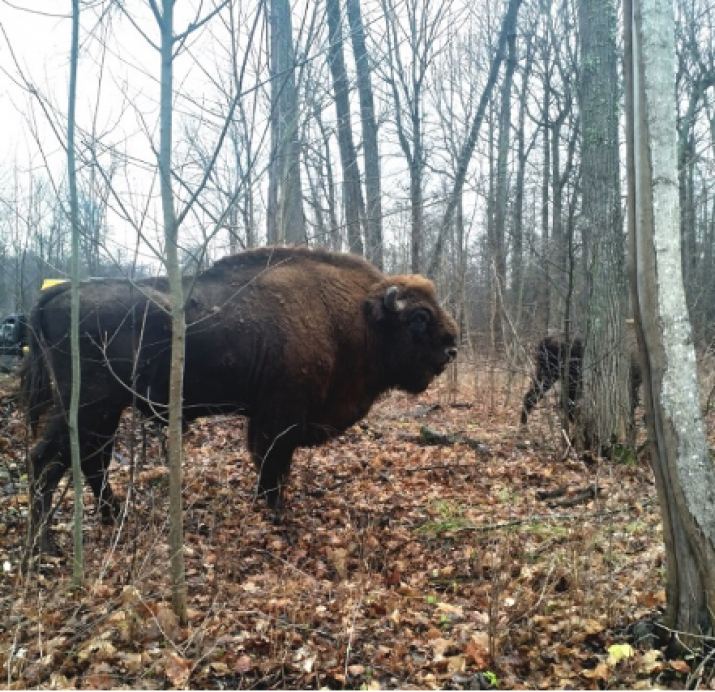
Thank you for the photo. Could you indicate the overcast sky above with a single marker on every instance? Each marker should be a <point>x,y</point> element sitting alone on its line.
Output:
<point>39,43</point>
<point>120,108</point>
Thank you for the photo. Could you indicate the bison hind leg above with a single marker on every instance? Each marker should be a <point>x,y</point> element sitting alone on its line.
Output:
<point>49,460</point>
<point>40,535</point>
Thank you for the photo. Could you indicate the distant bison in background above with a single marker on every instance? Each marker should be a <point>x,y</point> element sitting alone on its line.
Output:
<point>552,354</point>
<point>555,358</point>
<point>300,341</point>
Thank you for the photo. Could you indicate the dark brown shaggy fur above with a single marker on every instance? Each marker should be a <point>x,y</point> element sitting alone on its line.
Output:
<point>300,341</point>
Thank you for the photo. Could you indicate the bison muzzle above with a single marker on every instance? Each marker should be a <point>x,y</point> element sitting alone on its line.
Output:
<point>300,341</point>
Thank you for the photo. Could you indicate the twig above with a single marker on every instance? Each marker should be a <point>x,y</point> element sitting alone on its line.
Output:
<point>569,450</point>
<point>695,677</point>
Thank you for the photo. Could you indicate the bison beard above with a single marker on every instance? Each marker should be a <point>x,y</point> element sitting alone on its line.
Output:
<point>300,341</point>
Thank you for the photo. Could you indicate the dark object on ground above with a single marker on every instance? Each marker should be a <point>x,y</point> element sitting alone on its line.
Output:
<point>13,339</point>
<point>576,497</point>
<point>556,359</point>
<point>300,341</point>
<point>434,437</point>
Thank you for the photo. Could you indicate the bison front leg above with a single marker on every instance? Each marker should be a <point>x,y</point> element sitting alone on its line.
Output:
<point>573,387</point>
<point>272,453</point>
<point>96,457</point>
<point>541,384</point>
<point>107,503</point>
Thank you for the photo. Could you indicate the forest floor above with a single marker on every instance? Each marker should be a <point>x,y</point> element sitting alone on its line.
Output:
<point>407,560</point>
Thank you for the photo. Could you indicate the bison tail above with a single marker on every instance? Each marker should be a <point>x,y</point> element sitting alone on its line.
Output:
<point>35,379</point>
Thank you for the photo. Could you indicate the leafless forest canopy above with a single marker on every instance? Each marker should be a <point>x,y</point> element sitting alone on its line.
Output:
<point>345,125</point>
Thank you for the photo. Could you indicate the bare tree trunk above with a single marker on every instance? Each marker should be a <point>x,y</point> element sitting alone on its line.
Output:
<point>492,283</point>
<point>557,255</point>
<point>417,202</point>
<point>273,167</point>
<point>73,419</point>
<point>681,462</point>
<point>373,182</point>
<point>315,201</point>
<point>178,323</point>
<point>498,249</point>
<point>605,405</point>
<point>290,216</point>
<point>545,293</point>
<point>352,193</point>
<point>333,237</point>
<point>518,226</point>
<point>413,30</point>
<point>686,164</point>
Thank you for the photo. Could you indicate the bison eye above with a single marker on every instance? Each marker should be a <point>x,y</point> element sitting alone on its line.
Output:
<point>419,321</point>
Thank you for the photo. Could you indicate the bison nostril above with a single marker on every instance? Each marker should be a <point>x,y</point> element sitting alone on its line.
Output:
<point>451,352</point>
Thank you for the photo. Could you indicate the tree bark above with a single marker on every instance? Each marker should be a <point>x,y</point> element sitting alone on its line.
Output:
<point>605,403</point>
<point>683,468</point>
<point>371,154</point>
<point>352,193</point>
<point>290,225</point>
<point>498,238</point>
<point>517,272</point>
<point>546,286</point>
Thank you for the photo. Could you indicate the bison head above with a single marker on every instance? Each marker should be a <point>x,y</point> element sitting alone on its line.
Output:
<point>419,339</point>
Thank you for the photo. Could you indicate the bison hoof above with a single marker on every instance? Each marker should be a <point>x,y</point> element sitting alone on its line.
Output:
<point>109,512</point>
<point>46,546</point>
<point>277,518</point>
<point>108,518</point>
<point>51,549</point>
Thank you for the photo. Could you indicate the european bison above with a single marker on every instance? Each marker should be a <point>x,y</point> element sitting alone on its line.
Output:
<point>300,341</point>
<point>552,354</point>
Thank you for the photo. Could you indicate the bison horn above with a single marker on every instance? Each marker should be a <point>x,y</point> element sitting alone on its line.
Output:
<point>391,302</point>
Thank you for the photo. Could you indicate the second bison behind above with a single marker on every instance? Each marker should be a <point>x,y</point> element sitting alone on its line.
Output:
<point>300,341</point>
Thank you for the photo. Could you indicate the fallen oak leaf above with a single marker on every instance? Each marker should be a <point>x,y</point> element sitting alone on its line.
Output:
<point>679,666</point>
<point>168,622</point>
<point>478,653</point>
<point>456,664</point>
<point>97,650</point>
<point>600,672</point>
<point>651,662</point>
<point>449,609</point>
<point>101,677</point>
<point>177,669</point>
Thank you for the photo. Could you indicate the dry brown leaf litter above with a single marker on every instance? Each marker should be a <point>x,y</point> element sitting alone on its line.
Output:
<point>400,564</point>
